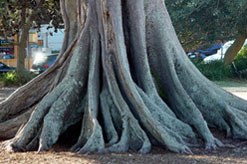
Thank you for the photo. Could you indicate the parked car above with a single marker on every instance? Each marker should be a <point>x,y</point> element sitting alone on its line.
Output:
<point>5,68</point>
<point>221,52</point>
<point>8,56</point>
<point>42,62</point>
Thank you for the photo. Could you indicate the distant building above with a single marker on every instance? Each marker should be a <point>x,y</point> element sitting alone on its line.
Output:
<point>39,41</point>
<point>6,48</point>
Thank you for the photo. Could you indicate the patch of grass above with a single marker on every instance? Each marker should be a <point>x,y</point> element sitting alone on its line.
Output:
<point>215,70</point>
<point>232,83</point>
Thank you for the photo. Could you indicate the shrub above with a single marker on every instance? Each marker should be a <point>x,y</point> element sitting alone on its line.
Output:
<point>215,70</point>
<point>241,59</point>
<point>16,79</point>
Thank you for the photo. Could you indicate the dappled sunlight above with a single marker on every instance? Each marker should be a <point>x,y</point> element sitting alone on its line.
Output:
<point>215,159</point>
<point>240,92</point>
<point>39,58</point>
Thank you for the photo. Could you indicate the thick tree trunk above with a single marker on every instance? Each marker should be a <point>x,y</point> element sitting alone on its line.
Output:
<point>103,80</point>
<point>234,49</point>
<point>27,24</point>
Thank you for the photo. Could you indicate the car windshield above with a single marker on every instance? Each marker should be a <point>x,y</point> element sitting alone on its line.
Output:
<point>3,65</point>
<point>51,59</point>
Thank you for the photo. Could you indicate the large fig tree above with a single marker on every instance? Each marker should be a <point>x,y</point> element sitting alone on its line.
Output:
<point>124,77</point>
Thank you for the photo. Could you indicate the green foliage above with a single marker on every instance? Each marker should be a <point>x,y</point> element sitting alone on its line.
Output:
<point>200,22</point>
<point>241,59</point>
<point>240,62</point>
<point>216,70</point>
<point>14,79</point>
<point>14,15</point>
<point>8,78</point>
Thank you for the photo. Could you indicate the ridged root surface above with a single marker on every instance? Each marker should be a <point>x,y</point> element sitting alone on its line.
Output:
<point>124,76</point>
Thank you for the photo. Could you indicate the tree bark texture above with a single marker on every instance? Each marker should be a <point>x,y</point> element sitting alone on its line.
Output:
<point>123,75</point>
<point>21,48</point>
<point>234,49</point>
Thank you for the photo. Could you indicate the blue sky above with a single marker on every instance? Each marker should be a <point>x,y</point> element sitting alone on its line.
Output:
<point>55,41</point>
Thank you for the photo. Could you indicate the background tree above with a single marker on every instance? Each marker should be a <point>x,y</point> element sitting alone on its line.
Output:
<point>19,16</point>
<point>201,23</point>
<point>102,82</point>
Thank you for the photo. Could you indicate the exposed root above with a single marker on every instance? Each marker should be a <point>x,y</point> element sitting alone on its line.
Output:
<point>184,103</point>
<point>157,131</point>
<point>137,53</point>
<point>238,121</point>
<point>219,112</point>
<point>62,111</point>
<point>123,144</point>
<point>106,107</point>
<point>94,143</point>
<point>184,131</point>
<point>67,108</point>
<point>9,128</point>
<point>193,91</point>
<point>231,99</point>
<point>53,100</point>
<point>132,136</point>
<point>22,99</point>
<point>91,138</point>
<point>34,124</point>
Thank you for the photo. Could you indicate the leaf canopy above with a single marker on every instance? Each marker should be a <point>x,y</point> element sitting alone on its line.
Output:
<point>198,22</point>
<point>15,13</point>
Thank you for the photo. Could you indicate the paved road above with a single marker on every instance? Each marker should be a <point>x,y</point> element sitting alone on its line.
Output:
<point>239,91</point>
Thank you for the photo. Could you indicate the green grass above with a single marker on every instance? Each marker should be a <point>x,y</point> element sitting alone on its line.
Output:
<point>232,83</point>
<point>215,70</point>
<point>218,71</point>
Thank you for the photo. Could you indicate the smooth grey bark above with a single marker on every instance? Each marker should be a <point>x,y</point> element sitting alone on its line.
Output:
<point>103,79</point>
<point>21,49</point>
<point>235,48</point>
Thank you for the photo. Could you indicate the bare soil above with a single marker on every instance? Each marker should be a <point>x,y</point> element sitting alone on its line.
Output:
<point>60,154</point>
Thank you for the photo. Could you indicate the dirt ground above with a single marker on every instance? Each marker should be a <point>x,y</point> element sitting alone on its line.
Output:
<point>60,154</point>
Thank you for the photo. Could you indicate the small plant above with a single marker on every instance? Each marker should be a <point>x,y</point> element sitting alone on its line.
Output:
<point>16,79</point>
<point>9,78</point>
<point>240,60</point>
